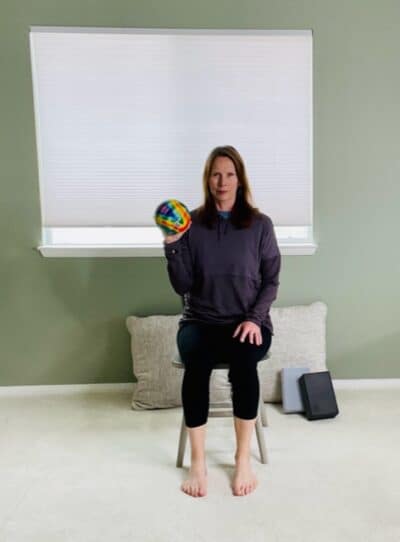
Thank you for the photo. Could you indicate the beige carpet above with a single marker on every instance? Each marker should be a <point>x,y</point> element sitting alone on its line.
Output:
<point>85,467</point>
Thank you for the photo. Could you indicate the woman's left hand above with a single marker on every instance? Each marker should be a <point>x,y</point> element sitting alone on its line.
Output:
<point>250,328</point>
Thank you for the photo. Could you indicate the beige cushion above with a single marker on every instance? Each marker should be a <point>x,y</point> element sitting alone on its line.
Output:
<point>299,340</point>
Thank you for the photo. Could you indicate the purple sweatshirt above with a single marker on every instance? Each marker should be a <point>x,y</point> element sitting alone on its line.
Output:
<point>226,275</point>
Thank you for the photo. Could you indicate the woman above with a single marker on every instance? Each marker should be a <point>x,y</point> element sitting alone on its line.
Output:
<point>226,266</point>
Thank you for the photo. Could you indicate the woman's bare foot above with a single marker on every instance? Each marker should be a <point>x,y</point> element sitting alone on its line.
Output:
<point>244,479</point>
<point>196,484</point>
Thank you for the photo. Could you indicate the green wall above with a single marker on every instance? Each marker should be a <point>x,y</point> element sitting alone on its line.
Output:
<point>63,319</point>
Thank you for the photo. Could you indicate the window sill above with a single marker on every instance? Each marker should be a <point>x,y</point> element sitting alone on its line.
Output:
<point>146,251</point>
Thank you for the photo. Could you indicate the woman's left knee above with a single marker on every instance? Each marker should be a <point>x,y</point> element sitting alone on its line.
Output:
<point>248,355</point>
<point>242,372</point>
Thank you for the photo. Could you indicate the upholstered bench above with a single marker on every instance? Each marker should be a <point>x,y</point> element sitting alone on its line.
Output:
<point>299,340</point>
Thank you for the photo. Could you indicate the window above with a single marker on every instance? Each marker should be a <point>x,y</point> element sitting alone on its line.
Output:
<point>125,119</point>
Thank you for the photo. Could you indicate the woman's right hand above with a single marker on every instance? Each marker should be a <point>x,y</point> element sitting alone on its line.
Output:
<point>175,237</point>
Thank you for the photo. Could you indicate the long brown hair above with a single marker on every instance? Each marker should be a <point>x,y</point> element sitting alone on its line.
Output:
<point>243,211</point>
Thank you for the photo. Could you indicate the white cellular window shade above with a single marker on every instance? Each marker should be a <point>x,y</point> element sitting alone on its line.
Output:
<point>125,119</point>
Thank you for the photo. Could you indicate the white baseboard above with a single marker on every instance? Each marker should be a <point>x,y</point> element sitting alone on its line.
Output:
<point>349,384</point>
<point>64,388</point>
<point>366,383</point>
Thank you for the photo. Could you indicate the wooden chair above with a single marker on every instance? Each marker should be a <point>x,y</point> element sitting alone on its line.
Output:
<point>223,409</point>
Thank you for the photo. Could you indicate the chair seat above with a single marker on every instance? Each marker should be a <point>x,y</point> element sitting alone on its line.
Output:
<point>176,362</point>
<point>181,365</point>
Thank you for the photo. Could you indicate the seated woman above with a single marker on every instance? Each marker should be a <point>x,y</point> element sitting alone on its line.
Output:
<point>226,266</point>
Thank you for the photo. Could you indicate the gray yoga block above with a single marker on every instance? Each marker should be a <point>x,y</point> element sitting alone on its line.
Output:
<point>291,397</point>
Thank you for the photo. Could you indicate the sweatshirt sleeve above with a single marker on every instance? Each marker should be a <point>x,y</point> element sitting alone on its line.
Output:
<point>270,268</point>
<point>179,264</point>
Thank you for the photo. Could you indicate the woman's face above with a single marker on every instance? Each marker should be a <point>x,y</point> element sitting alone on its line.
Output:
<point>223,183</point>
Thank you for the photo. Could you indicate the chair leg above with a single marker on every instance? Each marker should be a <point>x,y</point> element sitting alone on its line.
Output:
<point>182,443</point>
<point>263,412</point>
<point>261,440</point>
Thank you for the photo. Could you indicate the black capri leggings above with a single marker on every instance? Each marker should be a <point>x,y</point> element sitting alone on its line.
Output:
<point>201,346</point>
